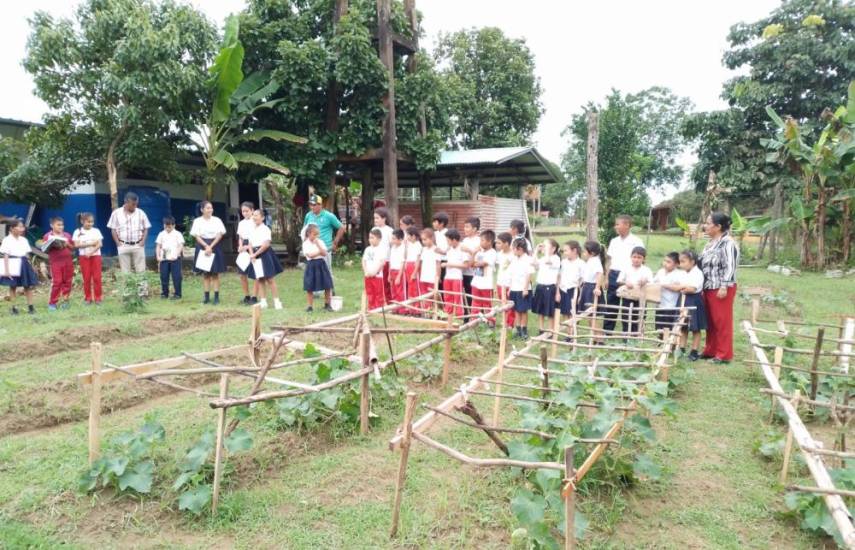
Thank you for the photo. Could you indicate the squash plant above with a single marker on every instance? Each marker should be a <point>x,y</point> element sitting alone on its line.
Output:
<point>126,465</point>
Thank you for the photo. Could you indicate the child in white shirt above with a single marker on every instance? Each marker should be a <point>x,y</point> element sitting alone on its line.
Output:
<point>548,269</point>
<point>484,263</point>
<point>504,258</point>
<point>428,268</point>
<point>15,258</point>
<point>570,281</point>
<point>456,260</point>
<point>381,222</point>
<point>87,239</point>
<point>411,274</point>
<point>693,285</point>
<point>520,272</point>
<point>397,257</point>
<point>670,278</point>
<point>635,277</point>
<point>373,261</point>
<point>244,229</point>
<point>317,276</point>
<point>169,250</point>
<point>470,244</point>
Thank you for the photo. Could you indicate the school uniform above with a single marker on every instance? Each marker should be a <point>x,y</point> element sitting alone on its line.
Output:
<point>208,230</point>
<point>269,262</point>
<point>548,270</point>
<point>428,273</point>
<point>503,282</point>
<point>634,276</point>
<point>441,243</point>
<point>61,269</point>
<point>18,247</point>
<point>591,273</point>
<point>171,243</point>
<point>398,290</point>
<point>452,285</point>
<point>698,316</point>
<point>520,272</point>
<point>619,253</point>
<point>414,251</point>
<point>473,245</point>
<point>317,276</point>
<point>569,285</point>
<point>385,247</point>
<point>482,282</point>
<point>90,262</point>
<point>372,266</point>
<point>244,229</point>
<point>668,310</point>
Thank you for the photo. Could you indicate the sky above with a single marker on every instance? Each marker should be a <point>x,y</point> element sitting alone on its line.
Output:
<point>581,49</point>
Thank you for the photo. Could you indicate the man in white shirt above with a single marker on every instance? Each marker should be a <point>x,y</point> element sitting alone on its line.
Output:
<point>129,226</point>
<point>620,254</point>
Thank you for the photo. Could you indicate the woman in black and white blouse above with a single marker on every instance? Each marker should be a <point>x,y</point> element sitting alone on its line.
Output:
<point>718,262</point>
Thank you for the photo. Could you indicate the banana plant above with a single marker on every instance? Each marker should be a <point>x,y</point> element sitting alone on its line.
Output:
<point>235,100</point>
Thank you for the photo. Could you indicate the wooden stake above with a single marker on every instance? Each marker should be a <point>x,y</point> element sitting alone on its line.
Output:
<point>666,334</point>
<point>817,350</point>
<point>446,354</point>
<point>776,368</point>
<point>402,466</point>
<point>544,371</point>
<point>95,404</point>
<point>500,367</point>
<point>569,500</point>
<point>755,309</point>
<point>364,395</point>
<point>254,334</point>
<point>469,410</point>
<point>218,451</point>
<point>788,446</point>
<point>556,325</point>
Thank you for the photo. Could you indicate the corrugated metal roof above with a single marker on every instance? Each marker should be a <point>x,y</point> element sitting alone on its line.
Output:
<point>494,155</point>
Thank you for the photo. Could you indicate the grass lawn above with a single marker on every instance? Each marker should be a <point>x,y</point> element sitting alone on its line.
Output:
<point>332,488</point>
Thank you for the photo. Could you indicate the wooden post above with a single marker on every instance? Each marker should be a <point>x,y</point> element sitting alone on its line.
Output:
<point>556,325</point>
<point>591,214</point>
<point>364,391</point>
<point>814,376</point>
<point>402,466</point>
<point>777,210</point>
<point>390,140</point>
<point>366,211</point>
<point>776,368</point>
<point>218,451</point>
<point>446,353</point>
<point>666,335</point>
<point>788,446</point>
<point>755,309</point>
<point>569,500</point>
<point>544,366</point>
<point>254,334</point>
<point>95,404</point>
<point>500,367</point>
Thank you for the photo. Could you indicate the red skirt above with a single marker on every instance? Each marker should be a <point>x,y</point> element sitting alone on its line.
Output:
<point>398,289</point>
<point>504,295</point>
<point>375,292</point>
<point>481,303</point>
<point>426,287</point>
<point>453,302</point>
<point>411,286</point>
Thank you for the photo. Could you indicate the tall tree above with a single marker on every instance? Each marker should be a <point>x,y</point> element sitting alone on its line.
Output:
<point>127,74</point>
<point>639,143</point>
<point>495,94</point>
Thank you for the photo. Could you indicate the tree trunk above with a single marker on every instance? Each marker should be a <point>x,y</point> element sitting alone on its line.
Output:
<point>112,168</point>
<point>390,140</point>
<point>846,229</point>
<point>762,248</point>
<point>366,211</point>
<point>777,212</point>
<point>427,199</point>
<point>820,226</point>
<point>592,226</point>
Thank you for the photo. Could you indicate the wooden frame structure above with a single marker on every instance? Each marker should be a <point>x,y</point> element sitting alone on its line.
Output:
<point>361,353</point>
<point>841,412</point>
<point>461,401</point>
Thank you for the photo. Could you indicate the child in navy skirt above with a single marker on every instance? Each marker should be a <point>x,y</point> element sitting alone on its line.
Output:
<point>16,247</point>
<point>520,271</point>
<point>317,276</point>
<point>208,230</point>
<point>262,255</point>
<point>592,272</point>
<point>692,288</point>
<point>548,269</point>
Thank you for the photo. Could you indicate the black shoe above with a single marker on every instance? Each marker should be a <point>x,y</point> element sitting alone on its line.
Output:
<point>309,309</point>
<point>682,351</point>
<point>246,300</point>
<point>206,301</point>
<point>253,300</point>
<point>693,355</point>
<point>15,310</point>
<point>327,307</point>
<point>216,301</point>
<point>176,297</point>
<point>164,296</point>
<point>32,311</point>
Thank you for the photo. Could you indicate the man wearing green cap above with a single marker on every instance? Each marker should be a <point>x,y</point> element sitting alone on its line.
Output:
<point>327,223</point>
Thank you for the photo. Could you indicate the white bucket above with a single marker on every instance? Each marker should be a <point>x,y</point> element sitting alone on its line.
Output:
<point>336,303</point>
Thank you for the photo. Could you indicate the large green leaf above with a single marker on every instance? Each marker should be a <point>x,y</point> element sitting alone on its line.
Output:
<point>775,118</point>
<point>846,194</point>
<point>195,500</point>
<point>276,135</point>
<point>850,105</point>
<point>138,478</point>
<point>528,507</point>
<point>226,71</point>
<point>226,160</point>
<point>261,160</point>
<point>645,468</point>
<point>239,440</point>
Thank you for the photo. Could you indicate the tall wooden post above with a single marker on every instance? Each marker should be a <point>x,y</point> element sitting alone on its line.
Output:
<point>569,500</point>
<point>390,141</point>
<point>407,430</point>
<point>218,451</point>
<point>591,178</point>
<point>95,404</point>
<point>446,353</point>
<point>366,213</point>
<point>333,91</point>
<point>503,344</point>
<point>364,389</point>
<point>814,377</point>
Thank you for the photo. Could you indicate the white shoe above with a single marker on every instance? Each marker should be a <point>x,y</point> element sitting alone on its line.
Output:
<point>277,304</point>
<point>263,303</point>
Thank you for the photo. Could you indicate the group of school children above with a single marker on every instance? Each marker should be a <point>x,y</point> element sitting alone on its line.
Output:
<point>207,230</point>
<point>466,271</point>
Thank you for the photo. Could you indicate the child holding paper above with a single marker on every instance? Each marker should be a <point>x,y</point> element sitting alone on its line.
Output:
<point>265,265</point>
<point>15,268</point>
<point>58,245</point>
<point>317,276</point>
<point>170,249</point>
<point>208,230</point>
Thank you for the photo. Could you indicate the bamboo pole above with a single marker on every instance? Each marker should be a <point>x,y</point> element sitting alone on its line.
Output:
<point>446,352</point>
<point>486,462</point>
<point>569,500</point>
<point>503,342</point>
<point>822,491</point>
<point>364,396</point>
<point>218,451</point>
<point>788,445</point>
<point>800,323</point>
<point>254,336</point>
<point>814,377</point>
<point>815,402</point>
<point>407,430</point>
<point>95,404</point>
<point>847,338</point>
<point>755,309</point>
<point>556,323</point>
<point>544,371</point>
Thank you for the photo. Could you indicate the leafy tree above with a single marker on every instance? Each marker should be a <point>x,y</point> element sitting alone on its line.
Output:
<point>495,94</point>
<point>125,81</point>
<point>235,101</point>
<point>639,141</point>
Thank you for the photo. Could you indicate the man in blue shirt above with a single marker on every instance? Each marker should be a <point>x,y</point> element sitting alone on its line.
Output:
<point>327,223</point>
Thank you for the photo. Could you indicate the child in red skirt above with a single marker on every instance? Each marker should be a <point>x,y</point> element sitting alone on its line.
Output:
<point>397,254</point>
<point>456,260</point>
<point>61,264</point>
<point>373,260</point>
<point>428,267</point>
<point>482,281</point>
<point>504,259</point>
<point>411,274</point>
